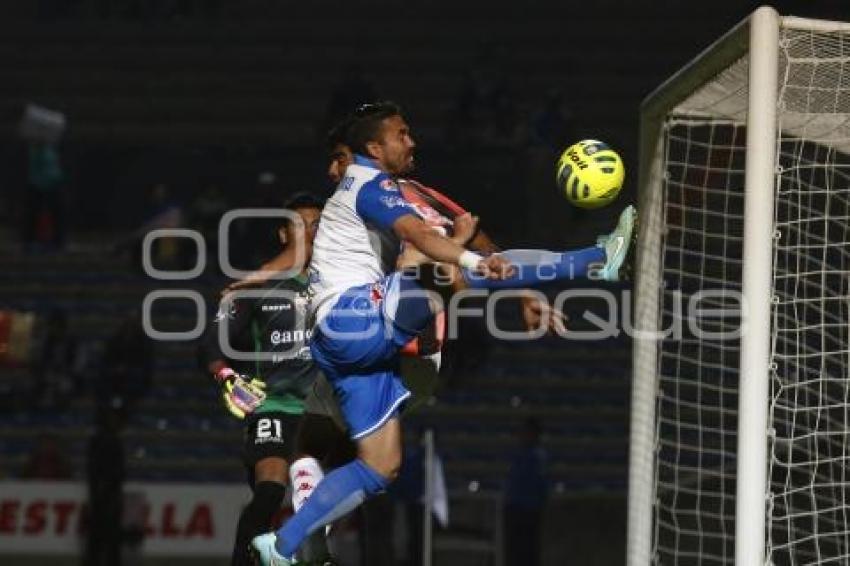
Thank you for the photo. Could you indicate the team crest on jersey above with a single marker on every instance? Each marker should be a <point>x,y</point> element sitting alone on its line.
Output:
<point>226,311</point>
<point>388,185</point>
<point>376,293</point>
<point>304,353</point>
<point>301,300</point>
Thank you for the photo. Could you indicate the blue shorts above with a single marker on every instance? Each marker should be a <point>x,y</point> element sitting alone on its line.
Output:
<point>357,346</point>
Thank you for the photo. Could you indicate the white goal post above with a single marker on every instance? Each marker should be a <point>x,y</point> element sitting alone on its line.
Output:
<point>740,422</point>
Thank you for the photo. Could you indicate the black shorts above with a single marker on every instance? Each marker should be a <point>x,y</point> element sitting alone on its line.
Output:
<point>321,400</point>
<point>269,435</point>
<point>320,437</point>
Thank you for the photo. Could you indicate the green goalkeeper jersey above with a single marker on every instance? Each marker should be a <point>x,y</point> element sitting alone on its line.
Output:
<point>267,329</point>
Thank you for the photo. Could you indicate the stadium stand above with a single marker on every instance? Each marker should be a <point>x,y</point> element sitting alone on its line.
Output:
<point>179,432</point>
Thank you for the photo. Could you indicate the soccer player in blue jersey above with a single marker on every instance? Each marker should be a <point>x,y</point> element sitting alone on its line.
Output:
<point>364,312</point>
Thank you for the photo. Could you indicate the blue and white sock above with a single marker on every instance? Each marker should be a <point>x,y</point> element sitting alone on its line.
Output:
<point>537,267</point>
<point>339,492</point>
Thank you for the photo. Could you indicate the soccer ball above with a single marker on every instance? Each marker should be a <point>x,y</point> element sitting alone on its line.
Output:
<point>590,174</point>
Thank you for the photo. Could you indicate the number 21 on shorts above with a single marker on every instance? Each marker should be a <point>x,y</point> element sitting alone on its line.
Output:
<point>264,427</point>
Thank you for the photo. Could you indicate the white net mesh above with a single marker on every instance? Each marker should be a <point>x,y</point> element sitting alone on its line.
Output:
<point>698,399</point>
<point>809,509</point>
<point>702,180</point>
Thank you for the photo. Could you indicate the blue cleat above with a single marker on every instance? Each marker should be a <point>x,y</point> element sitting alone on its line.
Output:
<point>617,245</point>
<point>269,556</point>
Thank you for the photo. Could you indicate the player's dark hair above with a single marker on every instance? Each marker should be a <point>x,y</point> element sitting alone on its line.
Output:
<point>338,134</point>
<point>366,123</point>
<point>302,199</point>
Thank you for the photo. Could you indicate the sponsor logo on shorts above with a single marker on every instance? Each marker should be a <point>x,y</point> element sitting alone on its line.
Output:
<point>270,439</point>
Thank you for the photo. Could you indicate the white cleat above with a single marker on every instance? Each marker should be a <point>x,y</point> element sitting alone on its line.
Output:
<point>617,245</point>
<point>269,556</point>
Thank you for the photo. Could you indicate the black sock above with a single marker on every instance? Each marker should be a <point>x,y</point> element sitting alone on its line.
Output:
<point>256,519</point>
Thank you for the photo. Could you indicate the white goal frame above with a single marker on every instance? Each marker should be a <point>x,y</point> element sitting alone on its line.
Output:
<point>758,37</point>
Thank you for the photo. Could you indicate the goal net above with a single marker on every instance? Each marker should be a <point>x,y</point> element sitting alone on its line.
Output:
<point>741,401</point>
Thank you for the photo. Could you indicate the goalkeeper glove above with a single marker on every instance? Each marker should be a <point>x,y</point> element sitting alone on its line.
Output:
<point>241,397</point>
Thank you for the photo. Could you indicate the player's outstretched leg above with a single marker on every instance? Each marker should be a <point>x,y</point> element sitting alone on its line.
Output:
<point>603,261</point>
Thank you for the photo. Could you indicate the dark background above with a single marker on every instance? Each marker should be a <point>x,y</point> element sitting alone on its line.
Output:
<point>198,92</point>
<point>190,91</point>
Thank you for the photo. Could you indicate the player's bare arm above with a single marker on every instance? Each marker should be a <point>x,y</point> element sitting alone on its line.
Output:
<point>443,249</point>
<point>482,243</point>
<point>297,239</point>
<point>284,261</point>
<point>463,230</point>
